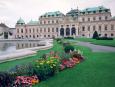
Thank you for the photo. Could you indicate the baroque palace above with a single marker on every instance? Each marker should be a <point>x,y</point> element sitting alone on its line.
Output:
<point>77,23</point>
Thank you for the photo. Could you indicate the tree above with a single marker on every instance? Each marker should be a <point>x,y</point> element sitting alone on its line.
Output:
<point>95,35</point>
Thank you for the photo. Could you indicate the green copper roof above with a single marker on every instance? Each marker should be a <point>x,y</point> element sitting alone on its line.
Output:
<point>20,21</point>
<point>31,22</point>
<point>94,9</point>
<point>113,17</point>
<point>73,12</point>
<point>56,13</point>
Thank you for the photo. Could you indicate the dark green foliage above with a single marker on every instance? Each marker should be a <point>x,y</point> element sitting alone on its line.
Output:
<point>68,38</point>
<point>95,35</point>
<point>20,70</point>
<point>104,38</point>
<point>68,48</point>
<point>6,79</point>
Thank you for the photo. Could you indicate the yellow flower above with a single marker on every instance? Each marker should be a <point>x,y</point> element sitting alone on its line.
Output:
<point>48,62</point>
<point>41,63</point>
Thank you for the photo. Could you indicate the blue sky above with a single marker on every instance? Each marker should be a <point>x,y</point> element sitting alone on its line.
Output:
<point>12,10</point>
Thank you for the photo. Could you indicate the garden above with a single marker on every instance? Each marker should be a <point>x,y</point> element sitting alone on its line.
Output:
<point>43,67</point>
<point>98,69</point>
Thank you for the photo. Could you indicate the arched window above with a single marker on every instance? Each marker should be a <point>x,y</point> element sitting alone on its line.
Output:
<point>112,34</point>
<point>62,31</point>
<point>105,35</point>
<point>21,30</point>
<point>105,27</point>
<point>83,28</point>
<point>99,27</point>
<point>67,31</point>
<point>48,29</point>
<point>73,31</point>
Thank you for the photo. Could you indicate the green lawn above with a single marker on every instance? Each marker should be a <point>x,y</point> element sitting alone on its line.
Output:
<point>98,70</point>
<point>98,42</point>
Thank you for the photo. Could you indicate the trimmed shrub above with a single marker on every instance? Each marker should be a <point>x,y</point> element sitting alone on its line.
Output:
<point>6,79</point>
<point>68,38</point>
<point>104,38</point>
<point>68,48</point>
<point>95,35</point>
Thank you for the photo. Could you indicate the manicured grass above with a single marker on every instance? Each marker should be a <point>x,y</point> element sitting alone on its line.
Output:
<point>98,42</point>
<point>98,70</point>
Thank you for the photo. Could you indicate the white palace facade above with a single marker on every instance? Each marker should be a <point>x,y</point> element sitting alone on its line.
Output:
<point>78,23</point>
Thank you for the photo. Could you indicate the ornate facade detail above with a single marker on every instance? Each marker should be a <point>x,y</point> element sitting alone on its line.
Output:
<point>79,23</point>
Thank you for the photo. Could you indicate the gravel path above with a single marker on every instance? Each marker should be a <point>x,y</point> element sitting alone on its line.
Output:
<point>96,48</point>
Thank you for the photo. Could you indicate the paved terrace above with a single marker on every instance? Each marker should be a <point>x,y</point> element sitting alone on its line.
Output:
<point>96,48</point>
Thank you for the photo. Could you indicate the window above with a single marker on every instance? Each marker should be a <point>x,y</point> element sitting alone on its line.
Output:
<point>40,29</point>
<point>106,17</point>
<point>56,21</point>
<point>93,18</point>
<point>44,22</point>
<point>61,25</point>
<point>100,18</point>
<point>105,35</point>
<point>52,22</point>
<point>44,35</point>
<point>100,28</point>
<point>17,30</point>
<point>56,29</point>
<point>67,25</point>
<point>83,28</point>
<point>83,19</point>
<point>105,27</point>
<point>83,35</point>
<point>112,27</point>
<point>88,19</point>
<point>30,35</point>
<point>44,29</point>
<point>112,34</point>
<point>37,35</point>
<point>21,30</point>
<point>48,22</point>
<point>93,28</point>
<point>52,29</point>
<point>48,35</point>
<point>48,29</point>
<point>88,28</point>
<point>33,36</point>
<point>94,11</point>
<point>30,30</point>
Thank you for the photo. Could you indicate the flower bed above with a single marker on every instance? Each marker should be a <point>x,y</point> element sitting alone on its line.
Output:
<point>41,69</point>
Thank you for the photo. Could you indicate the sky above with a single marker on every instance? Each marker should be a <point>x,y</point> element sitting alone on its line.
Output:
<point>12,10</point>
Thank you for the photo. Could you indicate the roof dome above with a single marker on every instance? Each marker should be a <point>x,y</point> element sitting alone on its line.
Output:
<point>20,21</point>
<point>31,22</point>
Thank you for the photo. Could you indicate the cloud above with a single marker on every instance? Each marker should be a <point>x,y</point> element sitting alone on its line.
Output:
<point>12,10</point>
